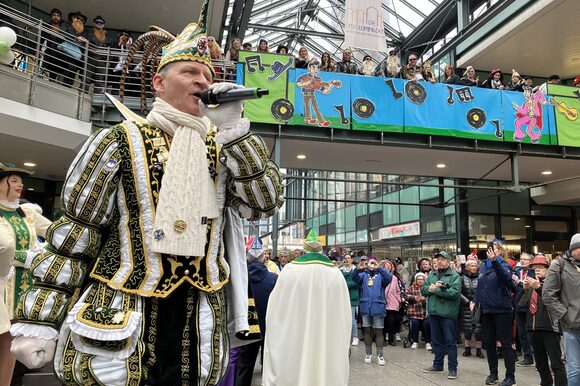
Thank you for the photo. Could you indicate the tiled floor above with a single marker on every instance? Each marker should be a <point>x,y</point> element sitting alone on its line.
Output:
<point>403,367</point>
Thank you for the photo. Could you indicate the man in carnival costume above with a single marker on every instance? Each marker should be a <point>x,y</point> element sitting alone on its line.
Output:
<point>309,320</point>
<point>132,283</point>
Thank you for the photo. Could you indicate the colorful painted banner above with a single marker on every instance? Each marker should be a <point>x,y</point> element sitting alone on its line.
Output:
<point>334,100</point>
<point>401,230</point>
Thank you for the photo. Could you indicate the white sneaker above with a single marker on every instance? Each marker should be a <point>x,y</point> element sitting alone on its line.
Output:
<point>381,361</point>
<point>397,337</point>
<point>428,347</point>
<point>355,341</point>
<point>414,346</point>
<point>368,359</point>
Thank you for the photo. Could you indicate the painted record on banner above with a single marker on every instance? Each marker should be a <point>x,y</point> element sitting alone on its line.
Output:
<point>415,92</point>
<point>476,118</point>
<point>363,108</point>
<point>282,109</point>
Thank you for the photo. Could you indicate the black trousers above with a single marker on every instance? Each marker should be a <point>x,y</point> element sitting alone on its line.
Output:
<point>499,327</point>
<point>393,324</point>
<point>247,361</point>
<point>546,344</point>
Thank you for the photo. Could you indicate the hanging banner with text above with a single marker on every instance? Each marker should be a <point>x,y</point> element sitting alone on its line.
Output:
<point>363,25</point>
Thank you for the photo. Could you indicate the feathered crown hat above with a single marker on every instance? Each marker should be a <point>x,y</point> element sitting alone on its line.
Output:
<point>190,45</point>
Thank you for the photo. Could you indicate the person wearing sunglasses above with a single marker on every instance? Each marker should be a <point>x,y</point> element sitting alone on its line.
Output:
<point>412,71</point>
<point>97,58</point>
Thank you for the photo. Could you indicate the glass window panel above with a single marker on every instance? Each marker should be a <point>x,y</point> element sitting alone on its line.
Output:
<point>515,203</point>
<point>376,207</point>
<point>409,212</point>
<point>551,226</point>
<point>331,217</point>
<point>432,226</point>
<point>391,212</point>
<point>350,218</point>
<point>340,239</point>
<point>350,237</point>
<point>361,236</point>
<point>361,209</point>
<point>484,205</point>
<point>448,194</point>
<point>340,221</point>
<point>512,229</point>
<point>450,225</point>
<point>548,210</point>
<point>481,228</point>
<point>331,240</point>
<point>428,192</point>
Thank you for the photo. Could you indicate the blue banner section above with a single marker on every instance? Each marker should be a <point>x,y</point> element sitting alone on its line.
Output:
<point>322,99</point>
<point>377,104</point>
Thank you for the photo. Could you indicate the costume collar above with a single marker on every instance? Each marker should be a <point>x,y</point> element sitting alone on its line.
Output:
<point>313,258</point>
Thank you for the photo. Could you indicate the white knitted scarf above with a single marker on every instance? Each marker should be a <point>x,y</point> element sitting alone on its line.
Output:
<point>187,197</point>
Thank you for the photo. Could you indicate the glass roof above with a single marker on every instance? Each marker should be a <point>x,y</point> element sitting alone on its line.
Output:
<point>269,18</point>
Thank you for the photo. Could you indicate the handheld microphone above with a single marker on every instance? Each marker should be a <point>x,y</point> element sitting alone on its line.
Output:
<point>237,94</point>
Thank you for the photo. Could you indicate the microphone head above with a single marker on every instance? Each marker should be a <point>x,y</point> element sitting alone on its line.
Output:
<point>262,91</point>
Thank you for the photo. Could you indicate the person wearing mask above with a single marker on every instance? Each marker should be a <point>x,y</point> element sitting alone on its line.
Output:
<point>443,292</point>
<point>493,296</point>
<point>346,270</point>
<point>302,60</point>
<point>417,312</point>
<point>308,320</point>
<point>544,332</point>
<point>372,281</point>
<point>521,313</point>
<point>471,328</point>
<point>561,291</point>
<point>262,282</point>
<point>347,66</point>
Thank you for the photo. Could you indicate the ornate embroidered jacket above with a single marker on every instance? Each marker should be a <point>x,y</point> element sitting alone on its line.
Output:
<point>109,198</point>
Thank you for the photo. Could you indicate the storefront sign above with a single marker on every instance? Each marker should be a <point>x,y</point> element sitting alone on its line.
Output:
<point>402,230</point>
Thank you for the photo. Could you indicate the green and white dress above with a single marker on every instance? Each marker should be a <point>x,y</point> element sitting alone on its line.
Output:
<point>19,226</point>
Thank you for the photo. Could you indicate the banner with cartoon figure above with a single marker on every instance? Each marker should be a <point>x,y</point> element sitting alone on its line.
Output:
<point>564,104</point>
<point>377,104</point>
<point>322,98</point>
<point>527,117</point>
<point>269,71</point>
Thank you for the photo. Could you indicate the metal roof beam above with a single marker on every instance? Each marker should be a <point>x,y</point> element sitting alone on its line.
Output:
<point>296,31</point>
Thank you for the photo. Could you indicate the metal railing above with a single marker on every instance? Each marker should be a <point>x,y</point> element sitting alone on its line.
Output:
<point>70,65</point>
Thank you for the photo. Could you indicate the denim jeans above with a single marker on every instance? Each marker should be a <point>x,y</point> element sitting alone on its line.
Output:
<point>354,329</point>
<point>572,339</point>
<point>444,334</point>
<point>423,326</point>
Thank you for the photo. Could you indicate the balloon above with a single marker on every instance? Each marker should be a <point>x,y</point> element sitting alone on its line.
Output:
<point>4,48</point>
<point>7,58</point>
<point>8,36</point>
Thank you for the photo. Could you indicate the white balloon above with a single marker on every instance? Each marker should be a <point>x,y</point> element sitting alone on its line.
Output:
<point>8,35</point>
<point>7,58</point>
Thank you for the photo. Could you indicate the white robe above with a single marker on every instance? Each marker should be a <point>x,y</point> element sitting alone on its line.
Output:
<point>308,327</point>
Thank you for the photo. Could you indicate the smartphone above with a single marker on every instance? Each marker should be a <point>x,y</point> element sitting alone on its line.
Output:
<point>532,273</point>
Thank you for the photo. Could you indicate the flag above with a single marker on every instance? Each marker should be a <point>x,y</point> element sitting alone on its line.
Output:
<point>363,25</point>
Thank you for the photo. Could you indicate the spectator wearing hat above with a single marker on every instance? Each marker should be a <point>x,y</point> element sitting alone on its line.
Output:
<point>525,82</point>
<point>470,78</point>
<point>520,275</point>
<point>494,80</point>
<point>99,37</point>
<point>443,291</point>
<point>302,60</point>
<point>347,66</point>
<point>247,46</point>
<point>308,320</point>
<point>282,50</point>
<point>470,327</point>
<point>417,312</point>
<point>515,80</point>
<point>576,82</point>
<point>367,67</point>
<point>544,331</point>
<point>424,266</point>
<point>118,55</point>
<point>52,58</point>
<point>412,71</point>
<point>262,45</point>
<point>493,296</point>
<point>561,291</point>
<point>390,66</point>
<point>76,27</point>
<point>372,281</point>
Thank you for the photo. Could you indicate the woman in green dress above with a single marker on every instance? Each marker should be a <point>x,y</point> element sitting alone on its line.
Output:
<point>19,226</point>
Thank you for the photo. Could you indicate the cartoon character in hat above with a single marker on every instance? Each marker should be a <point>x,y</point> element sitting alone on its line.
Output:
<point>529,114</point>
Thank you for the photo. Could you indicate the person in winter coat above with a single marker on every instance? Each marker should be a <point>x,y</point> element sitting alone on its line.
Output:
<point>417,312</point>
<point>394,305</point>
<point>372,281</point>
<point>521,313</point>
<point>493,295</point>
<point>542,329</point>
<point>346,270</point>
<point>443,290</point>
<point>470,327</point>
<point>560,295</point>
<point>262,282</point>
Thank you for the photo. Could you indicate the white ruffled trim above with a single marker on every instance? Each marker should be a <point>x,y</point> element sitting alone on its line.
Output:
<point>231,131</point>
<point>32,206</point>
<point>104,334</point>
<point>10,204</point>
<point>9,275</point>
<point>30,330</point>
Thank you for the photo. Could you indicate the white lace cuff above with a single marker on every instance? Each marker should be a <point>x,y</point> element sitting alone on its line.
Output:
<point>30,330</point>
<point>9,275</point>
<point>233,130</point>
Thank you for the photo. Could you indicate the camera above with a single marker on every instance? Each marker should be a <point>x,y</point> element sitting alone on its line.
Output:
<point>444,285</point>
